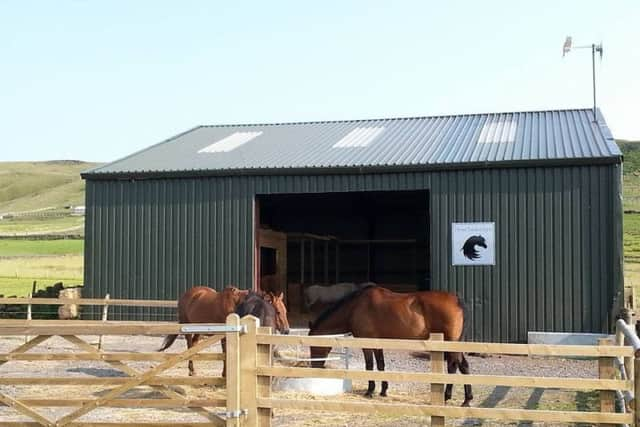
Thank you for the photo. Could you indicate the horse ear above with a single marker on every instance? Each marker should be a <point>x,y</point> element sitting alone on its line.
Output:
<point>281,296</point>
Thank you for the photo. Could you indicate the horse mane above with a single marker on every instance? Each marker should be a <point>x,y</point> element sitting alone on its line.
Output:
<point>339,304</point>
<point>253,300</point>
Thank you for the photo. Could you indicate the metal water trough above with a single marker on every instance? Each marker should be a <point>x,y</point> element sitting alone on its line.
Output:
<point>316,386</point>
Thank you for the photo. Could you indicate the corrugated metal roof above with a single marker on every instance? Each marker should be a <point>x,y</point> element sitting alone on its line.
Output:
<point>421,142</point>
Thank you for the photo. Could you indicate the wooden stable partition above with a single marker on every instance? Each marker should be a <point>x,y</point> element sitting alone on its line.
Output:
<point>248,398</point>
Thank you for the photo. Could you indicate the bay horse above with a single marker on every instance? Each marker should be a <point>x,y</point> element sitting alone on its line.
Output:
<point>201,304</point>
<point>261,306</point>
<point>376,312</point>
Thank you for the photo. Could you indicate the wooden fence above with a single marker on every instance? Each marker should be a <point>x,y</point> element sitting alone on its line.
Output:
<point>248,398</point>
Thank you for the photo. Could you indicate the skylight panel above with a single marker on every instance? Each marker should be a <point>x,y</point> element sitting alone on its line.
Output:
<point>499,131</point>
<point>230,142</point>
<point>359,137</point>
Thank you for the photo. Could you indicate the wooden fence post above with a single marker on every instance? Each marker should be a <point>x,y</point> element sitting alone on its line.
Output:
<point>29,317</point>
<point>248,372</point>
<point>105,315</point>
<point>437,390</point>
<point>233,372</point>
<point>636,392</point>
<point>606,370</point>
<point>264,358</point>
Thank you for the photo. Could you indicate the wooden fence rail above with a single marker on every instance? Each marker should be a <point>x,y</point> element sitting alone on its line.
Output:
<point>89,301</point>
<point>249,400</point>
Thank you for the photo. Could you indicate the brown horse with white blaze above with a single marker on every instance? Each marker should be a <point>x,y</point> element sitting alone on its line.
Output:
<point>376,312</point>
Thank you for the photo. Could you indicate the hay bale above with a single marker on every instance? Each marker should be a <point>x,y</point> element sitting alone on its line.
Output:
<point>69,311</point>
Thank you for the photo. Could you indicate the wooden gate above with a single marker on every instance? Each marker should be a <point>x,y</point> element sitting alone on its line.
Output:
<point>114,388</point>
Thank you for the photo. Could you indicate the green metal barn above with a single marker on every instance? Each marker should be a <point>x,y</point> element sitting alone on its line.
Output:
<point>519,213</point>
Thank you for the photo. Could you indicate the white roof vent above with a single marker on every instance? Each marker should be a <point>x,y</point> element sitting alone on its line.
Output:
<point>230,142</point>
<point>498,131</point>
<point>359,137</point>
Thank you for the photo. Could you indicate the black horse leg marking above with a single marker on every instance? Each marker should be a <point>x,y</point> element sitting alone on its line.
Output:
<point>191,341</point>
<point>452,367</point>
<point>464,369</point>
<point>368,364</point>
<point>380,363</point>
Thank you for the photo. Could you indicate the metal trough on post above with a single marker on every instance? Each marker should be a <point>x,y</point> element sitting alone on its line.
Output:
<point>316,386</point>
<point>629,368</point>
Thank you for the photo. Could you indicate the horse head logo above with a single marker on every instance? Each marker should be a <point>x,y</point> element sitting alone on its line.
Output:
<point>469,248</point>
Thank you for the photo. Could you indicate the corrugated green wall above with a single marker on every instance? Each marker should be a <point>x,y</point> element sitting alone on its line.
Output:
<point>558,239</point>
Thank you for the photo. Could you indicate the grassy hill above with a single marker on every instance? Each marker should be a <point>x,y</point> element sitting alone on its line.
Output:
<point>631,172</point>
<point>29,186</point>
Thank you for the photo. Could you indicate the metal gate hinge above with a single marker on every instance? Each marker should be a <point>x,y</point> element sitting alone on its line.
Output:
<point>236,414</point>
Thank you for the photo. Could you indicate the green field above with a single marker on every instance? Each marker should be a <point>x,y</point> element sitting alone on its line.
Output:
<point>36,188</point>
<point>29,248</point>
<point>41,225</point>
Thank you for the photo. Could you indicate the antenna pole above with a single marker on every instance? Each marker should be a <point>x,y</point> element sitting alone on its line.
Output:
<point>593,70</point>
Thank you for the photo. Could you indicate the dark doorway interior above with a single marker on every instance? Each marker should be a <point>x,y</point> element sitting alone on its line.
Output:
<point>267,261</point>
<point>352,237</point>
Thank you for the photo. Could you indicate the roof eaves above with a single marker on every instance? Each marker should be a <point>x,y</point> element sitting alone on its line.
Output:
<point>338,170</point>
<point>96,170</point>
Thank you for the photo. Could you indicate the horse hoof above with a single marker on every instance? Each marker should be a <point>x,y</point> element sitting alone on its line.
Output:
<point>368,394</point>
<point>383,393</point>
<point>465,404</point>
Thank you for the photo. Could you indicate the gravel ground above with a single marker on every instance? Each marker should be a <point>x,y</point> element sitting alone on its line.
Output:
<point>411,393</point>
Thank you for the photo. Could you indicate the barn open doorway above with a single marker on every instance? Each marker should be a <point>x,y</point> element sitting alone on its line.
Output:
<point>353,237</point>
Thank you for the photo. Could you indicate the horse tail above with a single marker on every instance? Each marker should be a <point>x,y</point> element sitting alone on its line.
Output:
<point>465,311</point>
<point>168,341</point>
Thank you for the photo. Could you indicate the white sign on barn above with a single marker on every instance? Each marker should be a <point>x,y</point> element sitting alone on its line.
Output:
<point>473,243</point>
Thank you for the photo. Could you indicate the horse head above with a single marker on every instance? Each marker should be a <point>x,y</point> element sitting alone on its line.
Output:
<point>277,301</point>
<point>255,304</point>
<point>469,248</point>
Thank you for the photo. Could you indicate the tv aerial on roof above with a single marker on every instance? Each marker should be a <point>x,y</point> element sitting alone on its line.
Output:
<point>568,46</point>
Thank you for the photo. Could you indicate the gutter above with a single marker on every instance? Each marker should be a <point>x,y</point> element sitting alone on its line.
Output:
<point>349,170</point>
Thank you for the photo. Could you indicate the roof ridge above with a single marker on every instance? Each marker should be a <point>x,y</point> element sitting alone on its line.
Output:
<point>437,116</point>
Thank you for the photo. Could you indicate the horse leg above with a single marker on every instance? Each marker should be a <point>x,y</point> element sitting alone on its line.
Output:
<point>368,364</point>
<point>452,367</point>
<point>190,342</point>
<point>464,369</point>
<point>380,363</point>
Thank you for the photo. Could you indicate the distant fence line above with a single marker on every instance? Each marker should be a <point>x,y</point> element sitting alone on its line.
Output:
<point>43,236</point>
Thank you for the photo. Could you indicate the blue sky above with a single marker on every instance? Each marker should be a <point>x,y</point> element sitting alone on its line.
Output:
<point>96,81</point>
